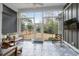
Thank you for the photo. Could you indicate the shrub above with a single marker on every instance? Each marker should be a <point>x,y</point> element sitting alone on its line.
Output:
<point>50,38</point>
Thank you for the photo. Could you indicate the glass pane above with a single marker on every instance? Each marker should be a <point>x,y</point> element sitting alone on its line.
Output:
<point>28,14</point>
<point>38,17</point>
<point>44,23</point>
<point>50,27</point>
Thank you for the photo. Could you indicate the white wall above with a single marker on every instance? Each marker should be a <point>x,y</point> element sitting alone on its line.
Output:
<point>1,22</point>
<point>18,23</point>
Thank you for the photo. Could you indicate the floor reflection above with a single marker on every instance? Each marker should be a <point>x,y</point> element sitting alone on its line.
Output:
<point>46,48</point>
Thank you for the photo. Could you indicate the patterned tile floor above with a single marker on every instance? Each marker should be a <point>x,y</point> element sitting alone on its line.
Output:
<point>46,49</point>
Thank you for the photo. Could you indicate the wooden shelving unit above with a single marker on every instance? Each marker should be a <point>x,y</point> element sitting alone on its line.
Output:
<point>7,49</point>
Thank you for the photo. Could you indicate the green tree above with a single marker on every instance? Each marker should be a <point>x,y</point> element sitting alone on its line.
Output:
<point>55,27</point>
<point>22,27</point>
<point>51,27</point>
<point>29,26</point>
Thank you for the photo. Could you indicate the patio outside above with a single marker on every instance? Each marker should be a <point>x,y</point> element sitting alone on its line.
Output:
<point>38,27</point>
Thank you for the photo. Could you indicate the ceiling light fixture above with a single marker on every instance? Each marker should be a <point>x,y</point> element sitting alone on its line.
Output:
<point>36,5</point>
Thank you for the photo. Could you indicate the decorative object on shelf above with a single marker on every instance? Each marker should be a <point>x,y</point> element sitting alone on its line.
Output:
<point>8,41</point>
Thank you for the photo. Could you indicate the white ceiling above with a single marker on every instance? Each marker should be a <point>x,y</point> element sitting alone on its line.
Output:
<point>56,8</point>
<point>33,5</point>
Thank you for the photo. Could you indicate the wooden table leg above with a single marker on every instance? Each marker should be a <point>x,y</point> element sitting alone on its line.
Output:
<point>16,51</point>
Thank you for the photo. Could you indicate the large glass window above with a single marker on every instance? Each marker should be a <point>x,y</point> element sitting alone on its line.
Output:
<point>43,23</point>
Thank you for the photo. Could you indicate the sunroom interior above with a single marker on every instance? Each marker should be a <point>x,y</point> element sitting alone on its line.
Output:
<point>39,29</point>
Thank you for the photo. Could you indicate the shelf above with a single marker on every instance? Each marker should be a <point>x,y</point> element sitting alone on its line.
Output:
<point>9,51</point>
<point>71,24</point>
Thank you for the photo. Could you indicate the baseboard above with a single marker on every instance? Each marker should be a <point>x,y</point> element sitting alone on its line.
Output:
<point>72,47</point>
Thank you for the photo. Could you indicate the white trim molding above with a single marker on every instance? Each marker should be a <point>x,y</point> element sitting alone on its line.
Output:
<point>72,47</point>
<point>1,9</point>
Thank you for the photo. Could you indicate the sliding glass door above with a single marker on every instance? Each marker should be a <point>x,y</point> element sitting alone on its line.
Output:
<point>31,25</point>
<point>50,27</point>
<point>39,25</point>
<point>27,27</point>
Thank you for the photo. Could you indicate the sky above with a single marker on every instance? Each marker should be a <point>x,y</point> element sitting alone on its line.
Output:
<point>38,15</point>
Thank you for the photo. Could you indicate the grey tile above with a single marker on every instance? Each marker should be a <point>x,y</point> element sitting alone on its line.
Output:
<point>46,49</point>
